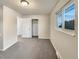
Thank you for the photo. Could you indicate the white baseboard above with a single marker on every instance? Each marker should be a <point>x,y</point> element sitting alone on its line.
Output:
<point>57,53</point>
<point>8,47</point>
<point>43,37</point>
<point>26,36</point>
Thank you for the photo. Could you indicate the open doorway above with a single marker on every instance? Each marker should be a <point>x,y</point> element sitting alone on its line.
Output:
<point>35,28</point>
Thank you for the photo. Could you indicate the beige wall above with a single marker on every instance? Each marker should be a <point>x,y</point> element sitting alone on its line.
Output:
<point>65,45</point>
<point>1,27</point>
<point>9,27</point>
<point>43,25</point>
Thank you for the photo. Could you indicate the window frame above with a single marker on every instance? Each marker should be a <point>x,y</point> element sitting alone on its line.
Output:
<point>65,7</point>
<point>57,16</point>
<point>66,31</point>
<point>62,10</point>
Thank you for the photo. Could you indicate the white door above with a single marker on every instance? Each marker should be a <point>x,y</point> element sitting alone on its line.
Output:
<point>27,28</point>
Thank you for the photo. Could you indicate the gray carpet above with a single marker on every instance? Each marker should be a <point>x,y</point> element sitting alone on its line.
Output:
<point>30,49</point>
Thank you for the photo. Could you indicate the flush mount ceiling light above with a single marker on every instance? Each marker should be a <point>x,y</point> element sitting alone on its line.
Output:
<point>24,2</point>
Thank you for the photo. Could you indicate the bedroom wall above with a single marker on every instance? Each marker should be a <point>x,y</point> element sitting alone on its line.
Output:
<point>65,44</point>
<point>43,25</point>
<point>9,27</point>
<point>1,27</point>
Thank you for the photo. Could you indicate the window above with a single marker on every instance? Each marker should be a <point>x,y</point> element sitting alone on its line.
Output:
<point>66,16</point>
<point>69,17</point>
<point>59,19</point>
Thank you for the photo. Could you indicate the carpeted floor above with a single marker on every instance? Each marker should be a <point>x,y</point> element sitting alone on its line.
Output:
<point>30,49</point>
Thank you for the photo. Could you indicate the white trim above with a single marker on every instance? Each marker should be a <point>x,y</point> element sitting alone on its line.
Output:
<point>25,36</point>
<point>71,32</point>
<point>57,53</point>
<point>8,46</point>
<point>66,31</point>
<point>43,37</point>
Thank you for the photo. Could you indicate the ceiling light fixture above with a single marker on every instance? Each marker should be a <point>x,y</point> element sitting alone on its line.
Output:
<point>24,2</point>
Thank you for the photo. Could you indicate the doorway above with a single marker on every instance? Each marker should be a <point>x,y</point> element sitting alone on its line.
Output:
<point>35,28</point>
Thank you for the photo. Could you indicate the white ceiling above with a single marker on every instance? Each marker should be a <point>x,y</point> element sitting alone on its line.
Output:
<point>34,7</point>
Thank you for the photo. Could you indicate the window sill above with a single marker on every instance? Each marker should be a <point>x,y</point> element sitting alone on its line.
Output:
<point>68,32</point>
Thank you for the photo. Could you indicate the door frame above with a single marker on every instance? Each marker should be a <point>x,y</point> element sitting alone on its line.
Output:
<point>32,27</point>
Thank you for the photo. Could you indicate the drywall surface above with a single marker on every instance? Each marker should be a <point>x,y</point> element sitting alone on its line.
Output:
<point>43,25</point>
<point>9,27</point>
<point>1,27</point>
<point>65,45</point>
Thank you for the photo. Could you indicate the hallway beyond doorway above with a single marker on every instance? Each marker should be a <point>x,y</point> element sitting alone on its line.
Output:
<point>34,27</point>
